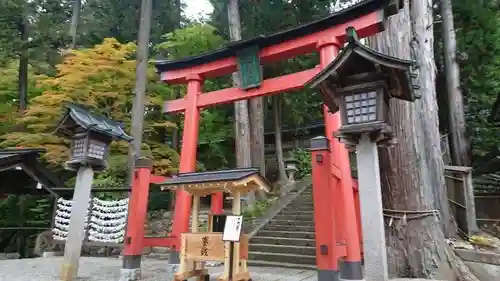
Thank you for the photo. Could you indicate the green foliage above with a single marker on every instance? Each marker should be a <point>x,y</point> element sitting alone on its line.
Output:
<point>478,37</point>
<point>256,210</point>
<point>120,19</point>
<point>9,95</point>
<point>44,24</point>
<point>305,165</point>
<point>102,78</point>
<point>190,41</point>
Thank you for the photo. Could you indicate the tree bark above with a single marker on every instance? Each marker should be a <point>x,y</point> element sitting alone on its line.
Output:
<point>177,91</point>
<point>414,236</point>
<point>422,49</point>
<point>141,78</point>
<point>73,30</point>
<point>256,114</point>
<point>241,118</point>
<point>277,136</point>
<point>456,119</point>
<point>23,63</point>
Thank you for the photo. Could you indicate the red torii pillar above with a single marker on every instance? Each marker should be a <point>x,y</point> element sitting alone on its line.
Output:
<point>341,179</point>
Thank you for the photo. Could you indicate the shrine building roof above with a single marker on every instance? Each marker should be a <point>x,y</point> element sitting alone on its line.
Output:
<point>205,183</point>
<point>21,171</point>
<point>353,12</point>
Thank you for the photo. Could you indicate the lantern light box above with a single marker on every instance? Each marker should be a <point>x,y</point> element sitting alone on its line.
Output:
<point>359,84</point>
<point>90,135</point>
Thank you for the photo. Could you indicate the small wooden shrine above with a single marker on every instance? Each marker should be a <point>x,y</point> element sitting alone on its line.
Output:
<point>199,247</point>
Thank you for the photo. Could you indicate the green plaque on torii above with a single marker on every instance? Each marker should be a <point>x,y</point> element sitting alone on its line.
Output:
<point>249,67</point>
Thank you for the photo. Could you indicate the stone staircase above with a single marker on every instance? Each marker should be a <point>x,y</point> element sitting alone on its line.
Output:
<point>287,240</point>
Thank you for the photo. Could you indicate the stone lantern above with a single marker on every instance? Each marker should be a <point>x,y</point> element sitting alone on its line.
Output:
<point>291,168</point>
<point>359,84</point>
<point>90,135</point>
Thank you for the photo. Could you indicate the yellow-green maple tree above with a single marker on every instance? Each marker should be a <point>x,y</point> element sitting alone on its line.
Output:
<point>101,78</point>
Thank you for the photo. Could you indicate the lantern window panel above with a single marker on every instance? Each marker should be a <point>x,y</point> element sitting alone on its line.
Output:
<point>361,107</point>
<point>97,149</point>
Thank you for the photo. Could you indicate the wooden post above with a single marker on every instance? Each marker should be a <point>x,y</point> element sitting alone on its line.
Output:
<point>194,221</point>
<point>81,197</point>
<point>470,204</point>
<point>141,80</point>
<point>236,249</point>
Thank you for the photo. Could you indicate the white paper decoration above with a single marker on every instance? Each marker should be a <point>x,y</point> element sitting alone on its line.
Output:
<point>107,222</point>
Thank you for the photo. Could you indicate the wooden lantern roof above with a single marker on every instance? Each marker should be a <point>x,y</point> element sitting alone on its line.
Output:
<point>77,119</point>
<point>206,183</point>
<point>358,64</point>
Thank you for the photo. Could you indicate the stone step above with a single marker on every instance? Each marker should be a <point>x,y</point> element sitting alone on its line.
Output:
<point>303,200</point>
<point>283,241</point>
<point>281,265</point>
<point>287,227</point>
<point>294,250</point>
<point>294,218</point>
<point>291,222</point>
<point>286,258</point>
<point>287,234</point>
<point>292,211</point>
<point>302,204</point>
<point>299,208</point>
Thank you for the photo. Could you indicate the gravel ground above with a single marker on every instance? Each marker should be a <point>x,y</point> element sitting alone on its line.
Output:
<point>108,269</point>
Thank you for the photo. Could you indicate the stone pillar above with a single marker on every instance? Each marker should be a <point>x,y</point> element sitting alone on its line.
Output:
<point>76,231</point>
<point>372,220</point>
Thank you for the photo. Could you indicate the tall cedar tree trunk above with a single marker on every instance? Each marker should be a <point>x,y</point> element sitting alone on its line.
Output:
<point>141,78</point>
<point>177,91</point>
<point>459,142</point>
<point>23,63</point>
<point>415,242</point>
<point>73,30</point>
<point>422,51</point>
<point>256,115</point>
<point>23,105</point>
<point>241,118</point>
<point>277,136</point>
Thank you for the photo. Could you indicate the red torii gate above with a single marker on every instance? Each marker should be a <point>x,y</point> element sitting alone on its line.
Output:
<point>325,36</point>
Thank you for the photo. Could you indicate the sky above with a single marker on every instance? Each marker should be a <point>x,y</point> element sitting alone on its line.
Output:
<point>195,8</point>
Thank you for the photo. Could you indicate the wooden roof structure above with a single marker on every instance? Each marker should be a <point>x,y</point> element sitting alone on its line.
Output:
<point>21,171</point>
<point>205,183</point>
<point>77,117</point>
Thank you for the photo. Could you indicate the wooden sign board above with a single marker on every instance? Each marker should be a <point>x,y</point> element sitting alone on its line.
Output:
<point>209,246</point>
<point>232,228</point>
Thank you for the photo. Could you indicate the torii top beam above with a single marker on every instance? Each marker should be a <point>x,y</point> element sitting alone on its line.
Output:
<point>366,17</point>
